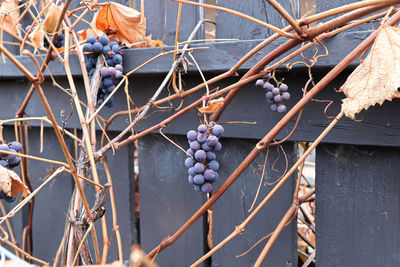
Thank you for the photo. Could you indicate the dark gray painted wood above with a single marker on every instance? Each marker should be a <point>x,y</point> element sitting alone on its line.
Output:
<point>232,208</point>
<point>220,56</point>
<point>167,201</point>
<point>357,199</point>
<point>231,26</point>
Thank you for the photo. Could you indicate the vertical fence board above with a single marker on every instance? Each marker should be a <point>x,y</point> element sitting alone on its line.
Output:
<point>357,206</point>
<point>167,201</point>
<point>232,208</point>
<point>231,26</point>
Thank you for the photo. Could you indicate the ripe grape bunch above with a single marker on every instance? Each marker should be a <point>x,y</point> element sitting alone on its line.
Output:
<point>201,160</point>
<point>275,95</point>
<point>111,75</point>
<point>9,161</point>
<point>58,43</point>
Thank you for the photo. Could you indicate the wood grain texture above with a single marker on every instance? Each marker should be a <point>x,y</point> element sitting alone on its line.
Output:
<point>167,200</point>
<point>232,208</point>
<point>357,211</point>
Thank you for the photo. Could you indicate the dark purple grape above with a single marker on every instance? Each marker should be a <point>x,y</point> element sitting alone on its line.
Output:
<point>99,102</point>
<point>117,59</point>
<point>108,82</point>
<point>281,108</point>
<point>97,47</point>
<point>269,95</point>
<point>91,39</point>
<point>110,102</point>
<point>14,162</point>
<point>210,156</point>
<point>191,171</point>
<point>5,148</point>
<point>91,72</point>
<point>206,188</point>
<point>209,175</point>
<point>202,138</point>
<point>197,188</point>
<point>191,135</point>
<point>4,163</point>
<point>113,43</point>
<point>202,128</point>
<point>104,40</point>
<point>110,63</point>
<point>267,86</point>
<point>286,96</point>
<point>2,194</point>
<point>268,76</point>
<point>10,199</point>
<point>218,147</point>
<point>199,167</point>
<point>110,55</point>
<point>104,72</point>
<point>275,91</point>
<point>106,49</point>
<point>88,47</point>
<point>112,71</point>
<point>110,89</point>
<point>216,176</point>
<point>200,155</point>
<point>217,130</point>
<point>198,179</point>
<point>274,107</point>
<point>116,49</point>
<point>278,98</point>
<point>189,162</point>
<point>118,74</point>
<point>190,152</point>
<point>260,83</point>
<point>17,146</point>
<point>206,147</point>
<point>9,156</point>
<point>89,66</point>
<point>212,140</point>
<point>283,87</point>
<point>213,165</point>
<point>119,67</point>
<point>190,179</point>
<point>195,145</point>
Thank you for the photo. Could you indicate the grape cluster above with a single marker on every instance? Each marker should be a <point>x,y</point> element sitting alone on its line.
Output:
<point>275,95</point>
<point>112,73</point>
<point>9,161</point>
<point>59,42</point>
<point>201,160</point>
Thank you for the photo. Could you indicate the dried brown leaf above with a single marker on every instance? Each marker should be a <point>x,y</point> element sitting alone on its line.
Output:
<point>378,77</point>
<point>50,22</point>
<point>37,36</point>
<point>212,105</point>
<point>11,184</point>
<point>9,14</point>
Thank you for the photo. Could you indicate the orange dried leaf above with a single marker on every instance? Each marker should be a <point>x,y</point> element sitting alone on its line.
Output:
<point>157,43</point>
<point>9,15</point>
<point>50,22</point>
<point>37,36</point>
<point>11,184</point>
<point>212,105</point>
<point>126,23</point>
<point>378,77</point>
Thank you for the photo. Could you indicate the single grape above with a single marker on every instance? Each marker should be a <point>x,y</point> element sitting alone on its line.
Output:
<point>198,167</point>
<point>210,156</point>
<point>283,87</point>
<point>206,147</point>
<point>267,86</point>
<point>189,162</point>
<point>209,175</point>
<point>88,47</point>
<point>113,43</point>
<point>119,67</point>
<point>60,38</point>
<point>110,89</point>
<point>17,146</point>
<point>104,40</point>
<point>190,152</point>
<point>97,47</point>
<point>14,162</point>
<point>91,39</point>
<point>269,95</point>
<point>286,96</point>
<point>202,128</point>
<point>218,147</point>
<point>217,130</point>
<point>274,107</point>
<point>110,63</point>
<point>281,108</point>
<point>198,179</point>
<point>108,82</point>
<point>213,165</point>
<point>105,49</point>
<point>260,83</point>
<point>268,76</point>
<point>5,148</point>
<point>190,179</point>
<point>118,74</point>
<point>191,135</point>
<point>89,66</point>
<point>191,171</point>
<point>9,156</point>
<point>197,188</point>
<point>117,59</point>
<point>4,163</point>
<point>275,91</point>
<point>110,102</point>
<point>110,55</point>
<point>216,176</point>
<point>278,98</point>
<point>116,49</point>
<point>195,145</point>
<point>202,138</point>
<point>212,140</point>
<point>200,155</point>
<point>10,199</point>
<point>206,187</point>
<point>112,71</point>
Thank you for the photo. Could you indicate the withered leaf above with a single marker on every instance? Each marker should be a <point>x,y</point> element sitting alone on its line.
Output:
<point>53,14</point>
<point>212,105</point>
<point>37,36</point>
<point>9,14</point>
<point>378,77</point>
<point>11,184</point>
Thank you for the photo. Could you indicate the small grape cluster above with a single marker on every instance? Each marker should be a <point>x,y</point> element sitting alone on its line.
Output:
<point>201,159</point>
<point>9,161</point>
<point>275,95</point>
<point>58,43</point>
<point>110,75</point>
